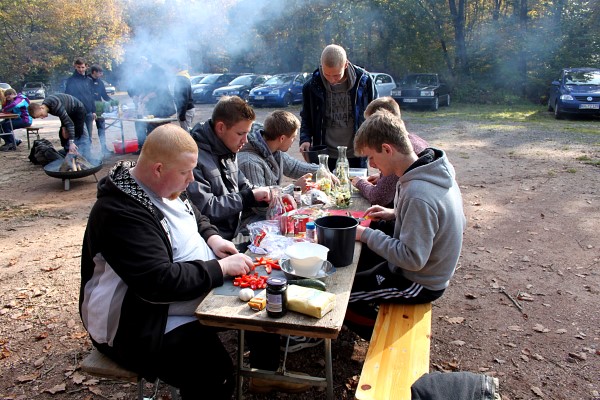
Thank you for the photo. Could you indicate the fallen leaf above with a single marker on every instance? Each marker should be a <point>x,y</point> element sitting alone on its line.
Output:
<point>458,342</point>
<point>27,378</point>
<point>540,328</point>
<point>537,391</point>
<point>78,378</point>
<point>515,328</point>
<point>56,389</point>
<point>41,336</point>
<point>561,331</point>
<point>455,320</point>
<point>96,390</point>
<point>470,296</point>
<point>578,356</point>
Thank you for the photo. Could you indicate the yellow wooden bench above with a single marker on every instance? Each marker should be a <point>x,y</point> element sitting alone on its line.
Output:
<point>97,364</point>
<point>398,353</point>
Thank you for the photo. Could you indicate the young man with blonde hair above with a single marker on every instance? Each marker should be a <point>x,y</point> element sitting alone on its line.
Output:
<point>416,262</point>
<point>148,259</point>
<point>334,101</point>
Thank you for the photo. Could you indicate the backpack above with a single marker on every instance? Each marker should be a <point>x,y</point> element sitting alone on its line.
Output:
<point>42,152</point>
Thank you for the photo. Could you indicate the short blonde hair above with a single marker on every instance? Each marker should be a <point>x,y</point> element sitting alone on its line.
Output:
<point>279,123</point>
<point>382,127</point>
<point>333,56</point>
<point>165,144</point>
<point>383,103</point>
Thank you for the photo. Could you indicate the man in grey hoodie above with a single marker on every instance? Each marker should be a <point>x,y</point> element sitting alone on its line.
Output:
<point>415,263</point>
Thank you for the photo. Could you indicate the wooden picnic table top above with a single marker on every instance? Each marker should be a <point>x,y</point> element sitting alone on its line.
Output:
<point>229,312</point>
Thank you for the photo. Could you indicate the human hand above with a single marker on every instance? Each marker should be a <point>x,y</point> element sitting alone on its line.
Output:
<point>221,247</point>
<point>289,199</point>
<point>377,213</point>
<point>262,194</point>
<point>357,179</point>
<point>237,264</point>
<point>95,116</point>
<point>374,179</point>
<point>359,231</point>
<point>303,180</point>
<point>73,148</point>
<point>304,147</point>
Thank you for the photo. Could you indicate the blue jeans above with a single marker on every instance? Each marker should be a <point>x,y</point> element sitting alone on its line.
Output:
<point>16,124</point>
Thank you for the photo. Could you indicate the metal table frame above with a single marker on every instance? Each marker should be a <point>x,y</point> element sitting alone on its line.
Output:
<point>115,119</point>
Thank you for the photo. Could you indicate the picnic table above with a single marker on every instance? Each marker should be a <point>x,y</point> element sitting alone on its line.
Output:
<point>9,117</point>
<point>227,311</point>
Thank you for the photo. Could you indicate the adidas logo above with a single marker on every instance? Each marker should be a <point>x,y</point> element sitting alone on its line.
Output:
<point>380,279</point>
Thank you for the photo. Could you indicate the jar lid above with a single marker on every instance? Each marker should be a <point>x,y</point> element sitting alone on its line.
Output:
<point>273,281</point>
<point>310,225</point>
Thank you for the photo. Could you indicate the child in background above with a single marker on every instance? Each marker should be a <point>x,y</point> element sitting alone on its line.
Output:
<point>14,104</point>
<point>379,189</point>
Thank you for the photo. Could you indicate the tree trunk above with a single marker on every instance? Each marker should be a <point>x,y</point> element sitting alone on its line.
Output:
<point>458,21</point>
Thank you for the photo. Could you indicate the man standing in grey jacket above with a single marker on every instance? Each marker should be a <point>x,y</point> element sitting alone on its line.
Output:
<point>413,263</point>
<point>220,190</point>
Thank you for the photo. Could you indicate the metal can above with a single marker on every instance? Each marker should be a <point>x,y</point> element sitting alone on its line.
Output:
<point>300,221</point>
<point>276,297</point>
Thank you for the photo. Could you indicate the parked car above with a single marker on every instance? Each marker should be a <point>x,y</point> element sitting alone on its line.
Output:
<point>384,83</point>
<point>5,86</point>
<point>110,89</point>
<point>279,90</point>
<point>35,90</point>
<point>426,90</point>
<point>195,79</point>
<point>240,86</point>
<point>577,91</point>
<point>202,92</point>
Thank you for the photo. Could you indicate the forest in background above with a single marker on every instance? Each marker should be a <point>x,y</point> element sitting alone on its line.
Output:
<point>490,51</point>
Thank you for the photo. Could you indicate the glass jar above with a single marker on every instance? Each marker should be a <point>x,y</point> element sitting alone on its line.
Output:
<point>276,297</point>
<point>276,209</point>
<point>343,190</point>
<point>323,177</point>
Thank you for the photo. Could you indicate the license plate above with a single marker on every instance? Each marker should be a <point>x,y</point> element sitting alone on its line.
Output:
<point>410,100</point>
<point>259,97</point>
<point>589,106</point>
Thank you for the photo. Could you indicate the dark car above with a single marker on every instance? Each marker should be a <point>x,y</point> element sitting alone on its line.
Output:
<point>240,86</point>
<point>577,91</point>
<point>279,90</point>
<point>109,87</point>
<point>422,90</point>
<point>202,92</point>
<point>35,90</point>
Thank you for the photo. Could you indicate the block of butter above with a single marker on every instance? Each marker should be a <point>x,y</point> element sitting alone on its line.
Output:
<point>309,301</point>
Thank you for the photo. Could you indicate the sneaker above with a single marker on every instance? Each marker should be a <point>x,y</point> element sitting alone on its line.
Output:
<point>262,386</point>
<point>298,343</point>
<point>8,147</point>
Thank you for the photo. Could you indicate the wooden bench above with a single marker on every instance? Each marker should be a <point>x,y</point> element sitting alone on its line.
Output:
<point>97,364</point>
<point>398,353</point>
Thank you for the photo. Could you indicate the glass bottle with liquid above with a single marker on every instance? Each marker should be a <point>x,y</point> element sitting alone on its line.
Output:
<point>276,209</point>
<point>343,190</point>
<point>323,177</point>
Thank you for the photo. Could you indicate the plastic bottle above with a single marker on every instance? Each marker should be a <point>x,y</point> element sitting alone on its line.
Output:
<point>311,231</point>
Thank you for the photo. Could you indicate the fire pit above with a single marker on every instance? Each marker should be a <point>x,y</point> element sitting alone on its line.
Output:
<point>52,169</point>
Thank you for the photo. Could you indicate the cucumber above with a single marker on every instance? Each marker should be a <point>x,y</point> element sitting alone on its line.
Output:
<point>311,283</point>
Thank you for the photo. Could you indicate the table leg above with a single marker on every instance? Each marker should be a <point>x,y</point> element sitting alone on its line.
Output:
<point>122,138</point>
<point>240,363</point>
<point>329,369</point>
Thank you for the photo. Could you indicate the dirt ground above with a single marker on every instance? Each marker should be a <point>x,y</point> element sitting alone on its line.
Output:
<point>523,305</point>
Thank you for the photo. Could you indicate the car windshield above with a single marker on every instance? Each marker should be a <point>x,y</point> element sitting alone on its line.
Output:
<point>582,78</point>
<point>420,80</point>
<point>279,80</point>
<point>210,79</point>
<point>32,85</point>
<point>242,80</point>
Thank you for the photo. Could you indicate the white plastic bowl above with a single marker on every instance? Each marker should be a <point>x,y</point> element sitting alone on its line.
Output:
<point>306,258</point>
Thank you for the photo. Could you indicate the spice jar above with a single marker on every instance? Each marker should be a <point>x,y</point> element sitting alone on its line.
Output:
<point>311,231</point>
<point>276,297</point>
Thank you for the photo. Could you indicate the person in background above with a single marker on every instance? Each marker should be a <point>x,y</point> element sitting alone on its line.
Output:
<point>148,258</point>
<point>220,190</point>
<point>14,104</point>
<point>151,96</point>
<point>80,86</point>
<point>72,114</point>
<point>100,95</point>
<point>416,262</point>
<point>182,93</point>
<point>379,189</point>
<point>334,101</point>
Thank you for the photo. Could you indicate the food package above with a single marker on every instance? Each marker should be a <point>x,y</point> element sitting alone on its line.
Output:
<point>309,301</point>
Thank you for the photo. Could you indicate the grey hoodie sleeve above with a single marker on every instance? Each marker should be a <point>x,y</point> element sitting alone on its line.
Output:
<point>293,168</point>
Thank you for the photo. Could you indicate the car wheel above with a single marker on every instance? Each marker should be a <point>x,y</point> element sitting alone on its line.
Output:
<point>287,100</point>
<point>557,113</point>
<point>436,104</point>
